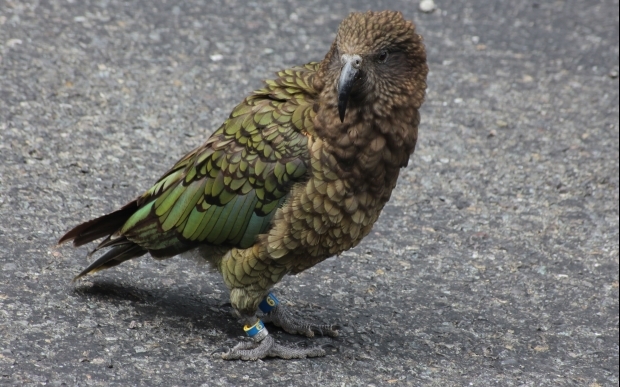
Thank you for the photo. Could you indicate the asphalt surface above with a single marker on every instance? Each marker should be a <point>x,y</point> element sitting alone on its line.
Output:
<point>494,264</point>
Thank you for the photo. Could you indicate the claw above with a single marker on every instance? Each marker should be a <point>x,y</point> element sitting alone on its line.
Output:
<point>221,350</point>
<point>329,345</point>
<point>332,330</point>
<point>331,348</point>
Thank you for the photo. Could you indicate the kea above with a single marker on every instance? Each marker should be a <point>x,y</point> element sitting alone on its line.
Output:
<point>298,173</point>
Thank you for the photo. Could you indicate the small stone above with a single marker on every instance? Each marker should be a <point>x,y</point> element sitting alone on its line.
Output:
<point>427,6</point>
<point>509,361</point>
<point>501,123</point>
<point>14,42</point>
<point>613,74</point>
<point>216,57</point>
<point>9,267</point>
<point>492,133</point>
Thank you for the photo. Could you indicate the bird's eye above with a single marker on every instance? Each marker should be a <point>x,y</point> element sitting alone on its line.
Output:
<point>383,55</point>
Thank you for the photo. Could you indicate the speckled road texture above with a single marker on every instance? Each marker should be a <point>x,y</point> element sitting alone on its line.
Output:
<point>494,264</point>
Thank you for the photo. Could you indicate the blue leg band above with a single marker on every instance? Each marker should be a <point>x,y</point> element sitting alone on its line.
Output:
<point>268,304</point>
<point>255,329</point>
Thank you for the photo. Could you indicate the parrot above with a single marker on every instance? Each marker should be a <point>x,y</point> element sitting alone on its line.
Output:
<point>299,172</point>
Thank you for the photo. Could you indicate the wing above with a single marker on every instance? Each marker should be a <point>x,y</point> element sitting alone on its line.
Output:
<point>226,191</point>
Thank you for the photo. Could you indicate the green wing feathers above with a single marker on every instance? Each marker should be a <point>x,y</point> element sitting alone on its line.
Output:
<point>226,192</point>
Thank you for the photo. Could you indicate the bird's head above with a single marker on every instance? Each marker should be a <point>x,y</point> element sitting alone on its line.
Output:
<point>377,62</point>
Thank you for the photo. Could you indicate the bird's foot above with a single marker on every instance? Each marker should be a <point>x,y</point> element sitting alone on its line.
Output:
<point>267,347</point>
<point>279,316</point>
<point>263,345</point>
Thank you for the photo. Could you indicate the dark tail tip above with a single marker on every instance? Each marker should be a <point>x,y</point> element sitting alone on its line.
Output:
<point>99,227</point>
<point>114,256</point>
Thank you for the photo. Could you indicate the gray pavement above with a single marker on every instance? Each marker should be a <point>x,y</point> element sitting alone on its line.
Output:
<point>494,264</point>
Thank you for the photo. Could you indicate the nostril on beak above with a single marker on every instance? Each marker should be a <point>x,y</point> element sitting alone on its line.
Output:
<point>354,60</point>
<point>357,62</point>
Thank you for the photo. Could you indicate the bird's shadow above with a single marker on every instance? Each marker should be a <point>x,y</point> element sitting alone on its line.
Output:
<point>178,308</point>
<point>185,310</point>
<point>174,307</point>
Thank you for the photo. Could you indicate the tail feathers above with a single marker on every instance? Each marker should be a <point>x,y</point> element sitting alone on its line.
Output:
<point>115,256</point>
<point>109,242</point>
<point>100,227</point>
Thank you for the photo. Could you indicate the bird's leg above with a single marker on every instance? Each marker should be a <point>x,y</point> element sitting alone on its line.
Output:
<point>247,295</point>
<point>263,345</point>
<point>278,315</point>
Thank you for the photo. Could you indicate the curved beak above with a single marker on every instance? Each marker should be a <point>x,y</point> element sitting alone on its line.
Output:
<point>348,75</point>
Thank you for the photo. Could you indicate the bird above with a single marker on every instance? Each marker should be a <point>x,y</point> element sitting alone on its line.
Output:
<point>299,172</point>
